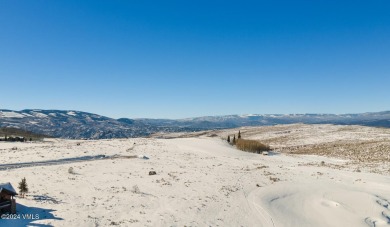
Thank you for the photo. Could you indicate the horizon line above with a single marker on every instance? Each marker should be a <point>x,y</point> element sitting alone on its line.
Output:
<point>184,118</point>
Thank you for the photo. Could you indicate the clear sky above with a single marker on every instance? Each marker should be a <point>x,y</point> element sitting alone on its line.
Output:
<point>176,59</point>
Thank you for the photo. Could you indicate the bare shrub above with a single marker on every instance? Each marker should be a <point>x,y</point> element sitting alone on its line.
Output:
<point>70,170</point>
<point>274,179</point>
<point>136,189</point>
<point>251,146</point>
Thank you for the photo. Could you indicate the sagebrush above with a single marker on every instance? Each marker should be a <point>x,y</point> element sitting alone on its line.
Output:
<point>251,146</point>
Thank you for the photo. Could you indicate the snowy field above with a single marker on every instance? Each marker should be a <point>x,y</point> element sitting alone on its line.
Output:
<point>202,181</point>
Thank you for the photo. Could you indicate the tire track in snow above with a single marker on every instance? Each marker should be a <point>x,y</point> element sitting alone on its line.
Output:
<point>60,161</point>
<point>266,220</point>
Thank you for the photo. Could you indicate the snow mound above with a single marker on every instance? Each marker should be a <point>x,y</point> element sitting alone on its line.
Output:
<point>292,204</point>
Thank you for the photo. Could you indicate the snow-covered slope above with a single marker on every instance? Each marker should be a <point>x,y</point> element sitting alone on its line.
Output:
<point>199,182</point>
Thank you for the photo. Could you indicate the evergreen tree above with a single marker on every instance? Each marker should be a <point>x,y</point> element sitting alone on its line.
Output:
<point>23,189</point>
<point>239,134</point>
<point>5,137</point>
<point>228,139</point>
<point>234,139</point>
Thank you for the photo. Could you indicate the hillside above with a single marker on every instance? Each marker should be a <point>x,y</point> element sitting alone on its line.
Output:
<point>70,124</point>
<point>77,124</point>
<point>363,147</point>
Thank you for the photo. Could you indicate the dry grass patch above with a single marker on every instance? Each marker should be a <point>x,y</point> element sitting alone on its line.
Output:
<point>251,146</point>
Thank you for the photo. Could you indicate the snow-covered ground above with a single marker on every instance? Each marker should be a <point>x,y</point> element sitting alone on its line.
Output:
<point>200,181</point>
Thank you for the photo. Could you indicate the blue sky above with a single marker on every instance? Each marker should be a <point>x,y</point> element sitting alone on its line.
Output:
<point>176,59</point>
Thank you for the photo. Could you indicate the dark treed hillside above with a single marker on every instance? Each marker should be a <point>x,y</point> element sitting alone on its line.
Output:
<point>15,132</point>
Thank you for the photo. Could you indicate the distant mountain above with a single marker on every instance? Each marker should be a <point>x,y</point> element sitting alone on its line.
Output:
<point>71,124</point>
<point>380,119</point>
<point>76,124</point>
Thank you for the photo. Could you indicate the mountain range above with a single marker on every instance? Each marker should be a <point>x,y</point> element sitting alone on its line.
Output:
<point>78,125</point>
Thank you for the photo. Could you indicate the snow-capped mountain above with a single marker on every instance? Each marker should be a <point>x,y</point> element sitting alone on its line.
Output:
<point>70,124</point>
<point>381,119</point>
<point>76,124</point>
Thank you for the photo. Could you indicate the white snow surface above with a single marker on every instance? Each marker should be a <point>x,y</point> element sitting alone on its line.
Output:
<point>11,115</point>
<point>199,182</point>
<point>71,113</point>
<point>38,114</point>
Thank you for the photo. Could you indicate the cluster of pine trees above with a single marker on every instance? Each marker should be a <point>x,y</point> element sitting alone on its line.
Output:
<point>14,139</point>
<point>233,141</point>
<point>18,135</point>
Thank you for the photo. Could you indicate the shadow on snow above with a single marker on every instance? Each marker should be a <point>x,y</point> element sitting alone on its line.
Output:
<point>26,216</point>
